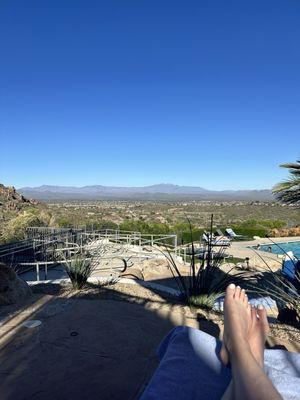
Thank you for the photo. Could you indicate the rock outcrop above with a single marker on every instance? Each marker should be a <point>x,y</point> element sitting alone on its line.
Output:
<point>11,200</point>
<point>285,232</point>
<point>12,288</point>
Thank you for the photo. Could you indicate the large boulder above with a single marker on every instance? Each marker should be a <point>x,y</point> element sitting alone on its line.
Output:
<point>12,288</point>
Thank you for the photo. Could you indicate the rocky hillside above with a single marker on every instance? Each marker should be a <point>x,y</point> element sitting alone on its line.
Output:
<point>13,207</point>
<point>12,201</point>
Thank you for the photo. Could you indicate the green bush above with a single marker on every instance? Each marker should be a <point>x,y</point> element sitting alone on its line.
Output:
<point>250,232</point>
<point>16,227</point>
<point>145,227</point>
<point>100,225</point>
<point>63,222</point>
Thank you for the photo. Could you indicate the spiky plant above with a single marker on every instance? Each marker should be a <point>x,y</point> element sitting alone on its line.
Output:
<point>205,281</point>
<point>79,270</point>
<point>288,191</point>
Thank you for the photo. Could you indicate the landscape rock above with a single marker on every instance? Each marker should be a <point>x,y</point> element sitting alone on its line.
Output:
<point>12,288</point>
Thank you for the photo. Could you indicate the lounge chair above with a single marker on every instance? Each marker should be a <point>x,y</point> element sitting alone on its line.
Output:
<point>218,232</point>
<point>231,234</point>
<point>215,241</point>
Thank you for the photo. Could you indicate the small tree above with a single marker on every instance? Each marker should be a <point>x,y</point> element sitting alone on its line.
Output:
<point>288,191</point>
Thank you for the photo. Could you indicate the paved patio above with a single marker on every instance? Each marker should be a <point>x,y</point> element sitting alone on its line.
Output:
<point>84,348</point>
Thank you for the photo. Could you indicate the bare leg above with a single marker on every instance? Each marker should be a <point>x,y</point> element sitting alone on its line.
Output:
<point>240,324</point>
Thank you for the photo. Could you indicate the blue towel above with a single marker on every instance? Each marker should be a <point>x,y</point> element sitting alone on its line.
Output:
<point>190,369</point>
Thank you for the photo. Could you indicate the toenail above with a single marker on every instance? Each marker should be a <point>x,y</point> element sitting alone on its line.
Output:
<point>232,286</point>
<point>260,307</point>
<point>238,287</point>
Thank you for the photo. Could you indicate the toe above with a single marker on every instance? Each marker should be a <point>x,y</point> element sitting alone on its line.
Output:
<point>253,314</point>
<point>262,315</point>
<point>243,294</point>
<point>249,308</point>
<point>237,294</point>
<point>230,291</point>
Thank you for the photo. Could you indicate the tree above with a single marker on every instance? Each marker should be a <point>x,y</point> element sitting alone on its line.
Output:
<point>288,191</point>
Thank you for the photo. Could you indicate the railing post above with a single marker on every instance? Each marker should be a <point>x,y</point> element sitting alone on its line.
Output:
<point>46,271</point>
<point>37,272</point>
<point>140,249</point>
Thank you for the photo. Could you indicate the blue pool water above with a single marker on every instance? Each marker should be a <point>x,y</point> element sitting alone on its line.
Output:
<point>281,248</point>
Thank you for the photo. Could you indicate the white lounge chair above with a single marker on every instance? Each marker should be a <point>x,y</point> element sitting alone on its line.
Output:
<point>216,241</point>
<point>230,233</point>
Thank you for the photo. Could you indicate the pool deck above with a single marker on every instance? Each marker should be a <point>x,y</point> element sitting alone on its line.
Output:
<point>242,250</point>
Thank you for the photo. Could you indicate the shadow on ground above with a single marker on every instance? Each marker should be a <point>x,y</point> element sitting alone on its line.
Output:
<point>99,343</point>
<point>89,345</point>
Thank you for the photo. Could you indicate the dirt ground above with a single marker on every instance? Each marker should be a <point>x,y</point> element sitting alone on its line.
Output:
<point>98,343</point>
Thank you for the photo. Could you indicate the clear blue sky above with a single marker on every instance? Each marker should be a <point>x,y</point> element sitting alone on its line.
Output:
<point>202,93</point>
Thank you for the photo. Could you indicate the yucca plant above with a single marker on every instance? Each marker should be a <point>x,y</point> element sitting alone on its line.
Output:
<point>204,300</point>
<point>206,281</point>
<point>79,269</point>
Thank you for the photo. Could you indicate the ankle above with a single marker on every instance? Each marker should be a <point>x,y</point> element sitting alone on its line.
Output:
<point>240,346</point>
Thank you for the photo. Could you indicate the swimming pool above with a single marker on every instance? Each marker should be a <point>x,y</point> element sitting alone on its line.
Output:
<point>281,248</point>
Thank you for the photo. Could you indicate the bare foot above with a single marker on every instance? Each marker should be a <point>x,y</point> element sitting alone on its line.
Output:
<point>243,322</point>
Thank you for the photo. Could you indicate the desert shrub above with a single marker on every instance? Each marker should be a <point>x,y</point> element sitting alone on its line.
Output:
<point>206,281</point>
<point>99,225</point>
<point>79,269</point>
<point>253,227</point>
<point>145,227</point>
<point>64,222</point>
<point>16,227</point>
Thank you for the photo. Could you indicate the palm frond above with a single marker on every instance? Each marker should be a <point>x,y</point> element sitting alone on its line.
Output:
<point>288,191</point>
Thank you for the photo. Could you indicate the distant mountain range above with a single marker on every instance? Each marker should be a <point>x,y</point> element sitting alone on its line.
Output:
<point>163,191</point>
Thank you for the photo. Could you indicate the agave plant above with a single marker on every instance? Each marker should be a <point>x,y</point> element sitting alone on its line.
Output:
<point>79,270</point>
<point>205,281</point>
<point>288,191</point>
